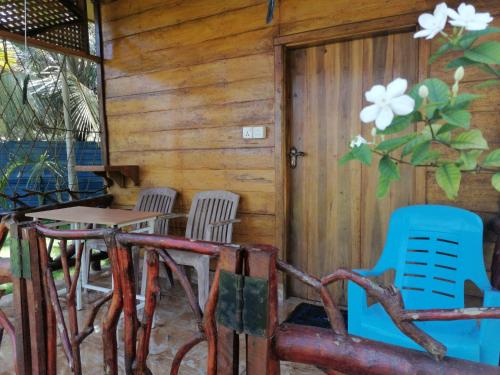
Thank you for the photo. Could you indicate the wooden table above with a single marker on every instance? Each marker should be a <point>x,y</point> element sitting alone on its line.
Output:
<point>110,217</point>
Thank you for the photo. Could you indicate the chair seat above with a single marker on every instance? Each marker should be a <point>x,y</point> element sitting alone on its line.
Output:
<point>460,337</point>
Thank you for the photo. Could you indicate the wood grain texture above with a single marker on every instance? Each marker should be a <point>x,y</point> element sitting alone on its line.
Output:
<point>183,78</point>
<point>335,219</point>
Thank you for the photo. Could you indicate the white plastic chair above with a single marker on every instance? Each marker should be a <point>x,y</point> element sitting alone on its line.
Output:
<point>149,200</point>
<point>210,218</point>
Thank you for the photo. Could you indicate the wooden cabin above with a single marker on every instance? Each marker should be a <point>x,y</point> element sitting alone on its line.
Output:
<point>182,80</point>
<point>260,98</point>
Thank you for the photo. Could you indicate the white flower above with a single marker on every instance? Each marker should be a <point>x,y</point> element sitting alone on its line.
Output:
<point>468,18</point>
<point>432,24</point>
<point>358,141</point>
<point>387,102</point>
<point>459,74</point>
<point>423,91</point>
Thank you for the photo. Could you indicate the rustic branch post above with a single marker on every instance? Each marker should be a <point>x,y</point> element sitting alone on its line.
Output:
<point>110,347</point>
<point>227,339</point>
<point>20,299</point>
<point>260,263</point>
<point>39,329</point>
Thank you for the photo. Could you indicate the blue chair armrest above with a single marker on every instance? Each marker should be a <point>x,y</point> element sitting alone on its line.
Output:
<point>356,298</point>
<point>491,327</point>
<point>491,298</point>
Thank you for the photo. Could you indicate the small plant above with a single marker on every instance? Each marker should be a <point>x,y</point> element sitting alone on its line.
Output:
<point>446,141</point>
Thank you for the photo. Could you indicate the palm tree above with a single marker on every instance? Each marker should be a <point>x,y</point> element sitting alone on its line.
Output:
<point>46,96</point>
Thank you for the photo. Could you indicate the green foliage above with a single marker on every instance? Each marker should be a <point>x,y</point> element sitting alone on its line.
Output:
<point>448,178</point>
<point>447,142</point>
<point>362,153</point>
<point>389,171</point>
<point>495,181</point>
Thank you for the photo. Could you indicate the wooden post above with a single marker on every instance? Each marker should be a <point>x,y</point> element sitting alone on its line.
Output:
<point>36,307</point>
<point>228,344</point>
<point>110,347</point>
<point>20,302</point>
<point>261,360</point>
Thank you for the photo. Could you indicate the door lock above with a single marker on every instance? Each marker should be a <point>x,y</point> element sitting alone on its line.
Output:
<point>293,155</point>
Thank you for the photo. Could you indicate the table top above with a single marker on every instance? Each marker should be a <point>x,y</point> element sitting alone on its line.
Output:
<point>95,215</point>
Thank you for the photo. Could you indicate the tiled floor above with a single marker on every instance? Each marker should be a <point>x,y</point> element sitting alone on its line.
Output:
<point>175,325</point>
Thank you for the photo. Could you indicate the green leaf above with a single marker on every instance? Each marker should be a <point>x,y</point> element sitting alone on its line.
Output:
<point>488,83</point>
<point>468,159</point>
<point>492,159</point>
<point>470,37</point>
<point>448,178</point>
<point>486,53</point>
<point>438,90</point>
<point>394,143</point>
<point>446,128</point>
<point>460,61</point>
<point>463,101</point>
<point>362,153</point>
<point>471,139</point>
<point>422,154</point>
<point>410,146</point>
<point>388,172</point>
<point>495,181</point>
<point>439,96</point>
<point>458,118</point>
<point>440,52</point>
<point>400,123</point>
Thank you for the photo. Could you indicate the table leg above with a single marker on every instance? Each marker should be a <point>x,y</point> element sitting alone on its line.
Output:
<point>83,269</point>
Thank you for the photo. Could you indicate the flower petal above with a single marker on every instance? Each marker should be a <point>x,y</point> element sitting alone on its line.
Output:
<point>384,118</point>
<point>453,14</point>
<point>376,93</point>
<point>458,22</point>
<point>370,113</point>
<point>473,26</point>
<point>466,10</point>
<point>396,88</point>
<point>402,105</point>
<point>422,33</point>
<point>441,9</point>
<point>427,21</point>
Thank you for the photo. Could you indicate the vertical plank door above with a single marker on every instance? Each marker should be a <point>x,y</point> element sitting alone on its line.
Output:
<point>334,218</point>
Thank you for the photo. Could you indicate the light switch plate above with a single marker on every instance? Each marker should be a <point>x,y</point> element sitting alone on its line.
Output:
<point>259,132</point>
<point>247,132</point>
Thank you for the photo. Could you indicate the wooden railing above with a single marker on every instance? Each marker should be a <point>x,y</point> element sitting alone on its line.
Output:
<point>243,299</point>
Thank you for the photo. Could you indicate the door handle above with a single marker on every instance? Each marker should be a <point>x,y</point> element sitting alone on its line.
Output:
<point>293,155</point>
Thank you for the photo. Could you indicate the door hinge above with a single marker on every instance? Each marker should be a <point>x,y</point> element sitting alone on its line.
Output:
<point>243,303</point>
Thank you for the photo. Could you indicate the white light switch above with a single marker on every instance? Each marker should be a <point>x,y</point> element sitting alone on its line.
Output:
<point>259,132</point>
<point>247,132</point>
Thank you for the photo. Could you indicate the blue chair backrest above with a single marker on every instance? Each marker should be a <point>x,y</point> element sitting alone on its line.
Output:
<point>434,250</point>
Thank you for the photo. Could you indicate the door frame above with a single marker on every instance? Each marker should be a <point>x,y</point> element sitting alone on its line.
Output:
<point>364,29</point>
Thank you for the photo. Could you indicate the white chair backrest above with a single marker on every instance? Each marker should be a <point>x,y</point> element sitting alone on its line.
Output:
<point>211,207</point>
<point>157,200</point>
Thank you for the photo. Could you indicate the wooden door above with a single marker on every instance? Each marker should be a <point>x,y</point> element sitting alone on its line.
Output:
<point>334,219</point>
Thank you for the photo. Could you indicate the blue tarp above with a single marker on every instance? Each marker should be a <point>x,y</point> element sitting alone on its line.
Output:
<point>87,153</point>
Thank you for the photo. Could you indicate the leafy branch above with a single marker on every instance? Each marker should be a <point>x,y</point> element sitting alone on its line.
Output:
<point>446,140</point>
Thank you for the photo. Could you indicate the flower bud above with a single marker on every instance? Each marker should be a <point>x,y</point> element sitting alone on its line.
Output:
<point>423,91</point>
<point>459,74</point>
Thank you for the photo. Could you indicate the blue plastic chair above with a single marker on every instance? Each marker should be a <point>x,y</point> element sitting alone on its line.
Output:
<point>433,250</point>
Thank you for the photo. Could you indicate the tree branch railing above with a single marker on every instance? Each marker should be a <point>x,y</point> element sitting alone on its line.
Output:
<point>256,261</point>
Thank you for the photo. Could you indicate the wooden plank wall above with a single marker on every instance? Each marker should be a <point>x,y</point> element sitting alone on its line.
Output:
<point>184,76</point>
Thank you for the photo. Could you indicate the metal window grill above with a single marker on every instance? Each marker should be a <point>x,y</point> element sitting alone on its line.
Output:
<point>58,22</point>
<point>49,123</point>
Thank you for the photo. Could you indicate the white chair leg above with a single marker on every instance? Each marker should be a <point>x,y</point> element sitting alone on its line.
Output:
<point>83,279</point>
<point>202,267</point>
<point>144,276</point>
